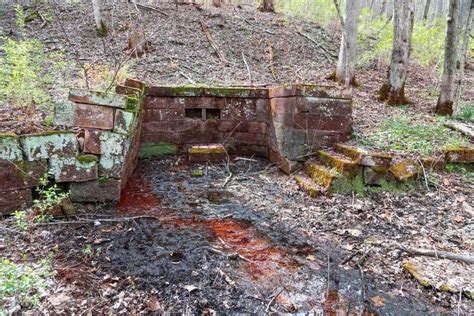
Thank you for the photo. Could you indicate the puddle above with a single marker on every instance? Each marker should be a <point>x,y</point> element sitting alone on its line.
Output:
<point>222,250</point>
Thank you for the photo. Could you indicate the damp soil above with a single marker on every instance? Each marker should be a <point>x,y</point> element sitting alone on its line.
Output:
<point>201,248</point>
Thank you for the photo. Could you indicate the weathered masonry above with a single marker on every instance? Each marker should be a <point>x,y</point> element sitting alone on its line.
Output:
<point>99,150</point>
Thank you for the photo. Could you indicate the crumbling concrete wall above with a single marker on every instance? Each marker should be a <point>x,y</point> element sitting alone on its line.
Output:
<point>94,158</point>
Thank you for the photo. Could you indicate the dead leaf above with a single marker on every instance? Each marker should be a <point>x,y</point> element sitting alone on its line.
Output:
<point>154,305</point>
<point>378,301</point>
<point>190,288</point>
<point>58,299</point>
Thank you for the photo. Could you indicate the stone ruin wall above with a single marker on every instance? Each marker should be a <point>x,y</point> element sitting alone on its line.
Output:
<point>99,151</point>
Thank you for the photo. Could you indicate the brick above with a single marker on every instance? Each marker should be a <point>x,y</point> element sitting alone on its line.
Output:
<point>112,154</point>
<point>240,110</point>
<point>460,155</point>
<point>249,138</point>
<point>305,90</point>
<point>74,169</point>
<point>64,114</point>
<point>405,169</point>
<point>374,176</point>
<point>99,191</point>
<point>93,116</point>
<point>234,92</point>
<point>262,109</point>
<point>12,200</point>
<point>234,126</point>
<point>245,149</point>
<point>98,98</point>
<point>122,89</point>
<point>21,174</point>
<point>92,142</point>
<point>163,103</point>
<point>49,145</point>
<point>10,147</point>
<point>289,166</point>
<point>150,115</point>
<point>124,122</point>
<point>134,83</point>
<point>178,126</point>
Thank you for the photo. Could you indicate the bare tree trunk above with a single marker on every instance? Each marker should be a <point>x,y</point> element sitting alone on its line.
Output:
<point>427,9</point>
<point>457,41</point>
<point>267,6</point>
<point>348,48</point>
<point>394,91</point>
<point>99,22</point>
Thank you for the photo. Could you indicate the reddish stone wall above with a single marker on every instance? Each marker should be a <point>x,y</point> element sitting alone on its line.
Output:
<point>275,123</point>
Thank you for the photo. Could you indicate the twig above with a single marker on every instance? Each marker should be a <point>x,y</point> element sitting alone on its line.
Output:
<point>325,52</point>
<point>270,59</point>
<point>439,254</point>
<point>106,220</point>
<point>273,300</point>
<point>424,173</point>
<point>247,66</point>
<point>226,277</point>
<point>211,41</point>
<point>187,77</point>
<point>151,9</point>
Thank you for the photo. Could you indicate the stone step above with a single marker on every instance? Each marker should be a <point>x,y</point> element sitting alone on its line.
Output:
<point>364,157</point>
<point>321,175</point>
<point>207,153</point>
<point>308,185</point>
<point>340,162</point>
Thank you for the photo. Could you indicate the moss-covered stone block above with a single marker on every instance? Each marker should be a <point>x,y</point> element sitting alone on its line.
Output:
<point>338,162</point>
<point>320,174</point>
<point>133,103</point>
<point>124,122</point>
<point>308,185</point>
<point>112,148</point>
<point>10,147</point>
<point>405,169</point>
<point>74,169</point>
<point>204,153</point>
<point>49,145</point>
<point>151,150</point>
<point>98,97</point>
<point>460,155</point>
<point>64,114</point>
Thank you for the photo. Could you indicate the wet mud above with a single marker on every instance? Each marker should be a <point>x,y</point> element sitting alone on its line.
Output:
<point>204,248</point>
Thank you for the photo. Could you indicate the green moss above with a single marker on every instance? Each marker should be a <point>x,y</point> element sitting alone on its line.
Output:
<point>132,103</point>
<point>405,170</point>
<point>197,173</point>
<point>47,133</point>
<point>104,180</point>
<point>8,135</point>
<point>391,186</point>
<point>321,175</point>
<point>87,158</point>
<point>349,185</point>
<point>207,150</point>
<point>411,269</point>
<point>150,150</point>
<point>311,190</point>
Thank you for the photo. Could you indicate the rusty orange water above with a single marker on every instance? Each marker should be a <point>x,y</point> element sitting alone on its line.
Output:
<point>260,257</point>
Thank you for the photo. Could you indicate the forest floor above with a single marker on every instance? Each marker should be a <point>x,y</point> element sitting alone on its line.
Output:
<point>261,244</point>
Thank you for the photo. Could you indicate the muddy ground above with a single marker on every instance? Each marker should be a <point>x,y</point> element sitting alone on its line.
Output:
<point>250,243</point>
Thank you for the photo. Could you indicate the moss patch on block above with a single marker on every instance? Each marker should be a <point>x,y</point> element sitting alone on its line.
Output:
<point>150,150</point>
<point>207,149</point>
<point>406,169</point>
<point>10,147</point>
<point>64,114</point>
<point>460,154</point>
<point>97,97</point>
<point>49,145</point>
<point>308,185</point>
<point>74,169</point>
<point>124,122</point>
<point>320,174</point>
<point>341,164</point>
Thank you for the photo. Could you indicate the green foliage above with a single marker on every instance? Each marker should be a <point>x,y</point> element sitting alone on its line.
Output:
<point>400,134</point>
<point>23,281</point>
<point>349,185</point>
<point>22,75</point>
<point>49,197</point>
<point>465,113</point>
<point>392,186</point>
<point>375,38</point>
<point>320,11</point>
<point>20,220</point>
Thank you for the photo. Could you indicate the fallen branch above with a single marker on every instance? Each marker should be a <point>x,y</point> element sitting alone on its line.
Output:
<point>145,7</point>
<point>211,41</point>
<point>461,127</point>
<point>272,301</point>
<point>226,277</point>
<point>437,254</point>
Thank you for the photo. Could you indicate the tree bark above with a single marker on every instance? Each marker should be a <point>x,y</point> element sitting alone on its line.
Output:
<point>394,91</point>
<point>267,6</point>
<point>99,22</point>
<point>457,41</point>
<point>452,62</point>
<point>427,9</point>
<point>348,47</point>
